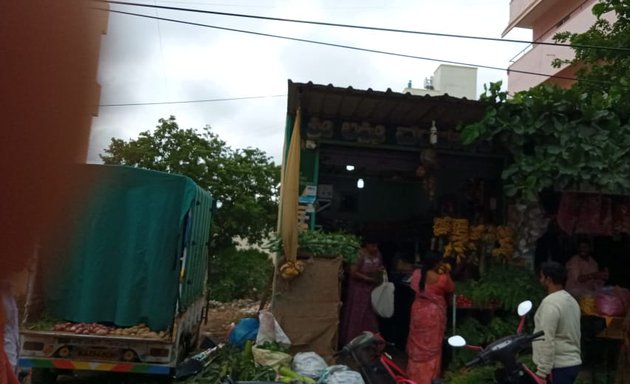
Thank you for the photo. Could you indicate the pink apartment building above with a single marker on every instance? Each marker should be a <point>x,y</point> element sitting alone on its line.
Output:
<point>546,18</point>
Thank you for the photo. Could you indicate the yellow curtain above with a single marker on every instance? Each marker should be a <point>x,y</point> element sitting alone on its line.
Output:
<point>289,193</point>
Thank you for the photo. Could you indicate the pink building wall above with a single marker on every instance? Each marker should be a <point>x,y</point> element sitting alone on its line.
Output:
<point>546,18</point>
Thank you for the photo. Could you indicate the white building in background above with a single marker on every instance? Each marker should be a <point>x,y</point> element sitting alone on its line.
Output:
<point>448,79</point>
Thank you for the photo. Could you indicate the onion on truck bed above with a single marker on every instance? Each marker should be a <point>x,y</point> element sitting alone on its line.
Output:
<point>140,330</point>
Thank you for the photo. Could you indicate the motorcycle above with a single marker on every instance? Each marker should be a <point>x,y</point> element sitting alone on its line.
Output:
<point>375,365</point>
<point>505,351</point>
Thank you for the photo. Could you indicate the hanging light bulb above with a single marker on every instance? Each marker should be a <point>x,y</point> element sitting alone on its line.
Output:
<point>360,184</point>
<point>433,134</point>
<point>349,168</point>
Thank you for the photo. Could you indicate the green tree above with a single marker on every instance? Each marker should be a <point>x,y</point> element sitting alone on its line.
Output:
<point>243,181</point>
<point>602,54</point>
<point>568,138</point>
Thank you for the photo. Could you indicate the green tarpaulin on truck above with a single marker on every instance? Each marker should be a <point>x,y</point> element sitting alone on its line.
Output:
<point>118,257</point>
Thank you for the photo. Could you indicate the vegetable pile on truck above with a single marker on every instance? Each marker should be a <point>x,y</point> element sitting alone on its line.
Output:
<point>121,286</point>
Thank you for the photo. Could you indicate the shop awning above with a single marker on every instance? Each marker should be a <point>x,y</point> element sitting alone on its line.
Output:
<point>381,107</point>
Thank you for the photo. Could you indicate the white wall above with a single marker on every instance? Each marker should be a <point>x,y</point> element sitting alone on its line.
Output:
<point>453,80</point>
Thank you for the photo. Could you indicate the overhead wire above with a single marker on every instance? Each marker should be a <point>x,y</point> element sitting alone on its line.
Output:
<point>340,25</point>
<point>346,46</point>
<point>190,101</point>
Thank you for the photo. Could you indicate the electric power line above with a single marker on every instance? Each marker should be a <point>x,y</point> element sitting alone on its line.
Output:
<point>190,101</point>
<point>381,29</point>
<point>347,46</point>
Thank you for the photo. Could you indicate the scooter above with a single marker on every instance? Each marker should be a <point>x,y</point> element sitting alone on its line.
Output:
<point>505,351</point>
<point>368,351</point>
<point>375,365</point>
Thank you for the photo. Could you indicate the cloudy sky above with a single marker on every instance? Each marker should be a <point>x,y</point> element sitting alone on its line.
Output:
<point>145,60</point>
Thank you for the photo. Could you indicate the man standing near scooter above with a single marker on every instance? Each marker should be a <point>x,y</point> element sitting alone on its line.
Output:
<point>557,356</point>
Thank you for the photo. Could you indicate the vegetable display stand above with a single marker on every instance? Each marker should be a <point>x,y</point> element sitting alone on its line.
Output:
<point>307,308</point>
<point>465,302</point>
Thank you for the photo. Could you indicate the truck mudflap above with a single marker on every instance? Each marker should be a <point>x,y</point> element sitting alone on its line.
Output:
<point>70,364</point>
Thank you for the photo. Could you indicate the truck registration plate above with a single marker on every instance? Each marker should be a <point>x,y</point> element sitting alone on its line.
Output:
<point>97,353</point>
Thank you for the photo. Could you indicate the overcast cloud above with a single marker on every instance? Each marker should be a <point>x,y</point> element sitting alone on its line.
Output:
<point>146,60</point>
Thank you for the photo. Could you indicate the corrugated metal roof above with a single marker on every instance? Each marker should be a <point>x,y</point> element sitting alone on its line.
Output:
<point>377,107</point>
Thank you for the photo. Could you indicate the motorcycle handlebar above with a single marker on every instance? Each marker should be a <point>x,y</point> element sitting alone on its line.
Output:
<point>482,357</point>
<point>472,362</point>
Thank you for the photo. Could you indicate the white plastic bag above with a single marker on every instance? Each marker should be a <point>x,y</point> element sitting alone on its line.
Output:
<point>309,364</point>
<point>383,298</point>
<point>345,377</point>
<point>323,379</point>
<point>269,330</point>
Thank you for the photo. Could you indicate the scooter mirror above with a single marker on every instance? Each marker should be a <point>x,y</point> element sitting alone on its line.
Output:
<point>524,308</point>
<point>456,341</point>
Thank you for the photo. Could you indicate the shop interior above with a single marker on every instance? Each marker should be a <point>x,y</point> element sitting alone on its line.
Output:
<point>379,193</point>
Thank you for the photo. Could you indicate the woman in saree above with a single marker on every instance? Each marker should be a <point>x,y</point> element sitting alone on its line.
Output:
<point>357,313</point>
<point>428,320</point>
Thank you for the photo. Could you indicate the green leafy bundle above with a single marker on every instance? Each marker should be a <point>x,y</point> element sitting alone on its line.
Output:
<point>322,244</point>
<point>506,285</point>
<point>233,362</point>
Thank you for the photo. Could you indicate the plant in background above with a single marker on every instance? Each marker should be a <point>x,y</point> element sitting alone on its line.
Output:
<point>242,181</point>
<point>478,375</point>
<point>506,285</point>
<point>568,138</point>
<point>238,274</point>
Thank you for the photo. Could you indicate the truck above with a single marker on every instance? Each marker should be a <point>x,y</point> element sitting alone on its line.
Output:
<point>120,286</point>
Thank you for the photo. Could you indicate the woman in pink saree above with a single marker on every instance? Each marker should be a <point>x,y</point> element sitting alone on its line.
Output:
<point>357,313</point>
<point>428,320</point>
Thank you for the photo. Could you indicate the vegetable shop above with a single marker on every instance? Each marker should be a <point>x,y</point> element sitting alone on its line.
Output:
<point>392,166</point>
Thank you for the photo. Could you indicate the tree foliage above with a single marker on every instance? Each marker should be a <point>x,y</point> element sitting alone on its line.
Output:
<point>568,138</point>
<point>243,181</point>
<point>239,274</point>
<point>602,54</point>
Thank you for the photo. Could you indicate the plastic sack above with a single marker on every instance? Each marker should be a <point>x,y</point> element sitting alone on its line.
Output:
<point>609,305</point>
<point>623,294</point>
<point>383,298</point>
<point>345,376</point>
<point>246,329</point>
<point>270,330</point>
<point>323,379</point>
<point>273,359</point>
<point>309,364</point>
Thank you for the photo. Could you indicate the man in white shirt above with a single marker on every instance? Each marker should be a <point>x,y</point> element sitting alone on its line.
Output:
<point>557,356</point>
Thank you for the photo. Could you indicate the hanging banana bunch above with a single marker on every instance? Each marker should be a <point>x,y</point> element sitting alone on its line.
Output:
<point>442,226</point>
<point>459,238</point>
<point>505,238</point>
<point>291,269</point>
